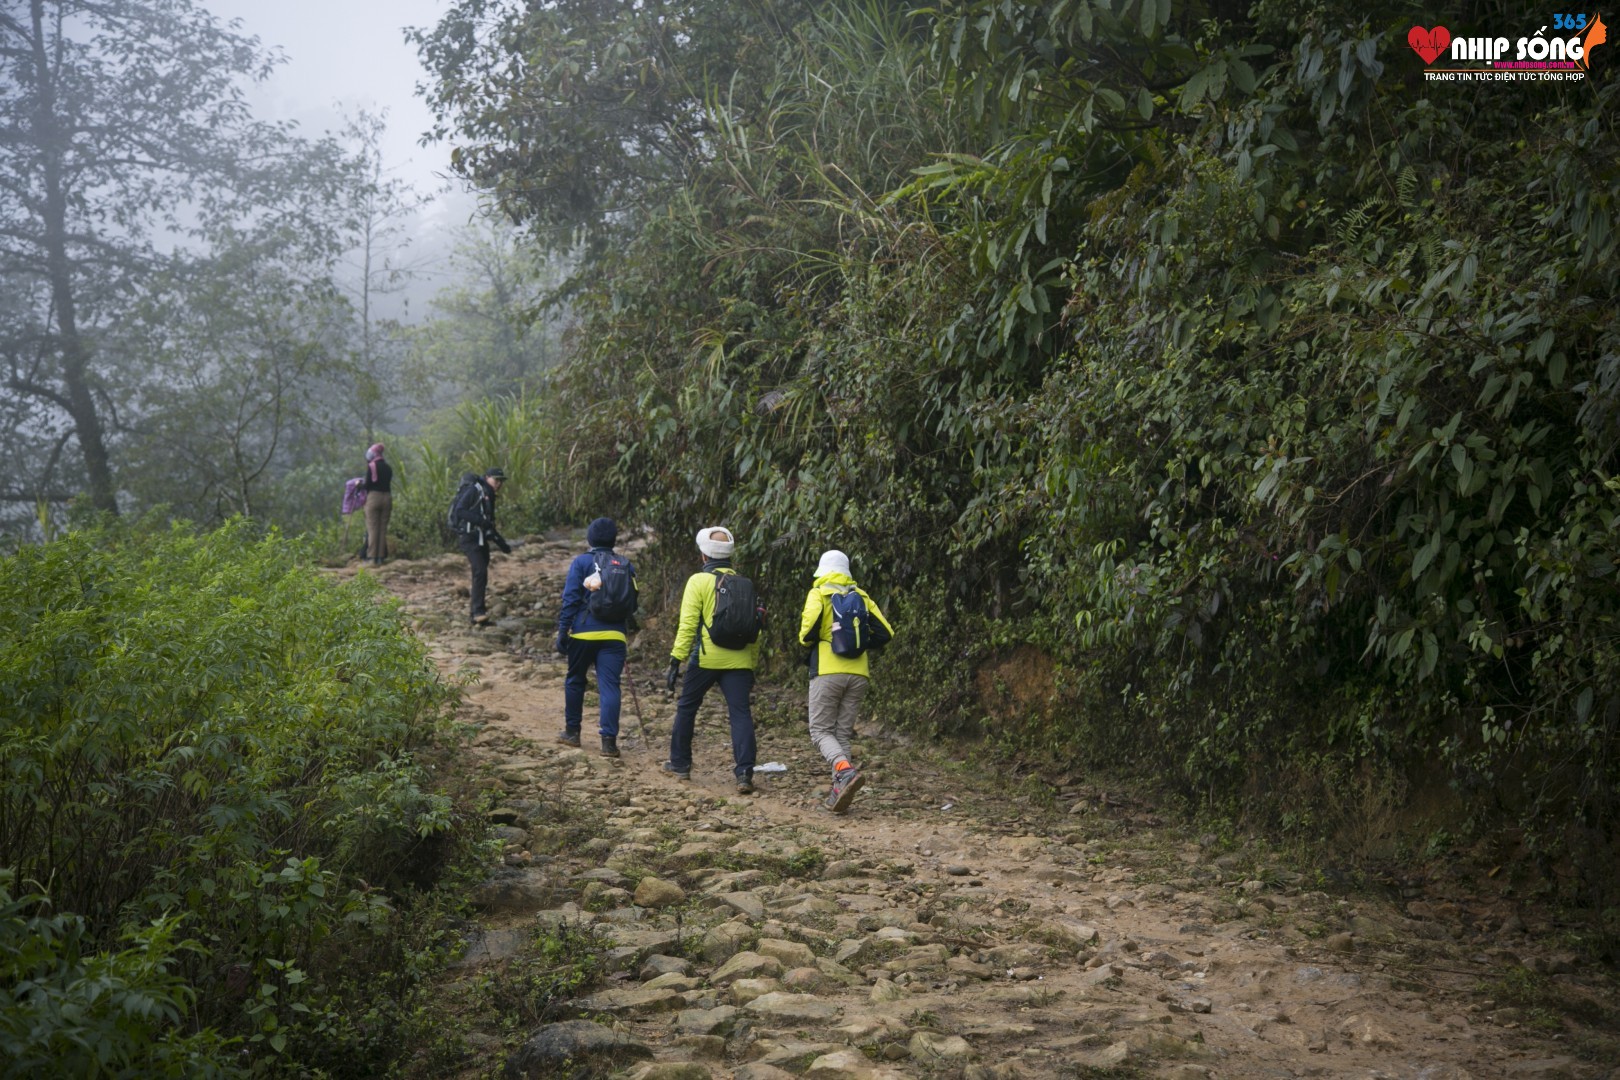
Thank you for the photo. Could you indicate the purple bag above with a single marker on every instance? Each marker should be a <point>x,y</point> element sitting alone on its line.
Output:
<point>354,494</point>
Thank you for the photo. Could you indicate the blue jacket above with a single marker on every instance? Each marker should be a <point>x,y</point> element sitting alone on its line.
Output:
<point>575,619</point>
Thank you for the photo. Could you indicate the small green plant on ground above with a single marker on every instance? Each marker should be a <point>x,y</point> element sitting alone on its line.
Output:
<point>1546,1000</point>
<point>925,1020</point>
<point>530,989</point>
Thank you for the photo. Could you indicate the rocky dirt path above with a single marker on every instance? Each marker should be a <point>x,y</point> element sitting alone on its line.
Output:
<point>946,927</point>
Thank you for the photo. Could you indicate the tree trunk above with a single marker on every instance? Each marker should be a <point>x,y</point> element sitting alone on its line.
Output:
<point>74,363</point>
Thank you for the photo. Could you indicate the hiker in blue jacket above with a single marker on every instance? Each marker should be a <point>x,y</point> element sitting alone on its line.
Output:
<point>588,639</point>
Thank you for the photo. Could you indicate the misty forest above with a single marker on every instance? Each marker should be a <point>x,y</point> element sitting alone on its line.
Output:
<point>1225,411</point>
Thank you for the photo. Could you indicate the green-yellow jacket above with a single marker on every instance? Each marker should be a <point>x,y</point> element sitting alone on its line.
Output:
<point>815,627</point>
<point>697,611</point>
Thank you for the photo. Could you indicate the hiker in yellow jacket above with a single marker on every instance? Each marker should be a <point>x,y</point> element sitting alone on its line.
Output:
<point>841,625</point>
<point>730,665</point>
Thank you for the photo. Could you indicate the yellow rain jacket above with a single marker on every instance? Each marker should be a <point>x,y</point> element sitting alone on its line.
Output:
<point>815,626</point>
<point>697,611</point>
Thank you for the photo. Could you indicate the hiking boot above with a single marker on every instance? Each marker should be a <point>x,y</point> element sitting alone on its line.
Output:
<point>569,738</point>
<point>610,746</point>
<point>480,620</point>
<point>679,774</point>
<point>844,786</point>
<point>745,784</point>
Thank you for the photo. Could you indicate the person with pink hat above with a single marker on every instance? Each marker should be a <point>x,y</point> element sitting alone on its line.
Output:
<point>379,503</point>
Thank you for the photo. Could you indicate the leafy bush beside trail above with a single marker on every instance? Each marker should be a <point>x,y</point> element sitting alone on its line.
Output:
<point>213,754</point>
<point>1265,389</point>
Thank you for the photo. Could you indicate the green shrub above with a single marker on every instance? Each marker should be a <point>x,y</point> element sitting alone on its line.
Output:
<point>72,1009</point>
<point>202,731</point>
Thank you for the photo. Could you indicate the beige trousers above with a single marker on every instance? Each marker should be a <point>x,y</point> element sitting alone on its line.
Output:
<point>834,701</point>
<point>379,508</point>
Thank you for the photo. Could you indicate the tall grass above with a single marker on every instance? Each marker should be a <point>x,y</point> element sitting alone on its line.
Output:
<point>545,483</point>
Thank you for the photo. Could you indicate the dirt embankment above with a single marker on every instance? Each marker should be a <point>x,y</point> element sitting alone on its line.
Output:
<point>944,927</point>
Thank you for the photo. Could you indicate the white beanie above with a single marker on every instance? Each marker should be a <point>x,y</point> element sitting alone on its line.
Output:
<point>716,549</point>
<point>833,562</point>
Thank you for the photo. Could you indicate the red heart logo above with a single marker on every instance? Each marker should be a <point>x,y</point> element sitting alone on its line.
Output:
<point>1429,43</point>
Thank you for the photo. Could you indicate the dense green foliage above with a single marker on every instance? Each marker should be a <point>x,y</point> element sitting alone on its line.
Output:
<point>1266,387</point>
<point>77,1009</point>
<point>215,756</point>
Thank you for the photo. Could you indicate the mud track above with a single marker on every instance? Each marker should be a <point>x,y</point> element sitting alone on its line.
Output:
<point>950,925</point>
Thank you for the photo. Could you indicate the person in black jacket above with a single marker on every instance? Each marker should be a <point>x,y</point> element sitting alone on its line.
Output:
<point>472,516</point>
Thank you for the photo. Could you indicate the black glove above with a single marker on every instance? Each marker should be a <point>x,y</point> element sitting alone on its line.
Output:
<point>673,675</point>
<point>500,541</point>
<point>561,644</point>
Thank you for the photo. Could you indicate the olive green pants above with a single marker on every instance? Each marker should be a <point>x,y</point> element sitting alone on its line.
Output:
<point>379,508</point>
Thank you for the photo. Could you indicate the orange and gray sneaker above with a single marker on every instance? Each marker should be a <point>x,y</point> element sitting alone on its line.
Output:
<point>846,782</point>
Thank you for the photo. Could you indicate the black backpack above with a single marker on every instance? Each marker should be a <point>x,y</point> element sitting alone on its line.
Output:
<point>738,616</point>
<point>468,481</point>
<point>616,600</point>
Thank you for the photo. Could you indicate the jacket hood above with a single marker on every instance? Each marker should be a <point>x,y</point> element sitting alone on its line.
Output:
<point>834,579</point>
<point>832,562</point>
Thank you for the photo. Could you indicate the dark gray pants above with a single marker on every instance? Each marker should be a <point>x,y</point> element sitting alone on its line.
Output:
<point>478,555</point>
<point>737,684</point>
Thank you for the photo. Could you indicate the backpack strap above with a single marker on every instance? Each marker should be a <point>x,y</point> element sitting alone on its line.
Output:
<point>827,591</point>
<point>719,575</point>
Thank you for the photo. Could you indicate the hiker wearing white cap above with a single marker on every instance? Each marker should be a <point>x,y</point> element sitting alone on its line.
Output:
<point>841,626</point>
<point>717,642</point>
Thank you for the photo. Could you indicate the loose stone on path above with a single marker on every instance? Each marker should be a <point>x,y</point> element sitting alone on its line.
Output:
<point>763,939</point>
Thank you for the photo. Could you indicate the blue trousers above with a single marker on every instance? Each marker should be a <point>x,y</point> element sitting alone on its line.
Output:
<point>608,659</point>
<point>737,685</point>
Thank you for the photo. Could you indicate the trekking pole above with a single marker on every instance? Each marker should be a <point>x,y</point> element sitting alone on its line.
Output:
<point>635,698</point>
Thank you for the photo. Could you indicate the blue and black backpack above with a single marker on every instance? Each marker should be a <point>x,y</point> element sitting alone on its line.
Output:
<point>851,623</point>
<point>616,600</point>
